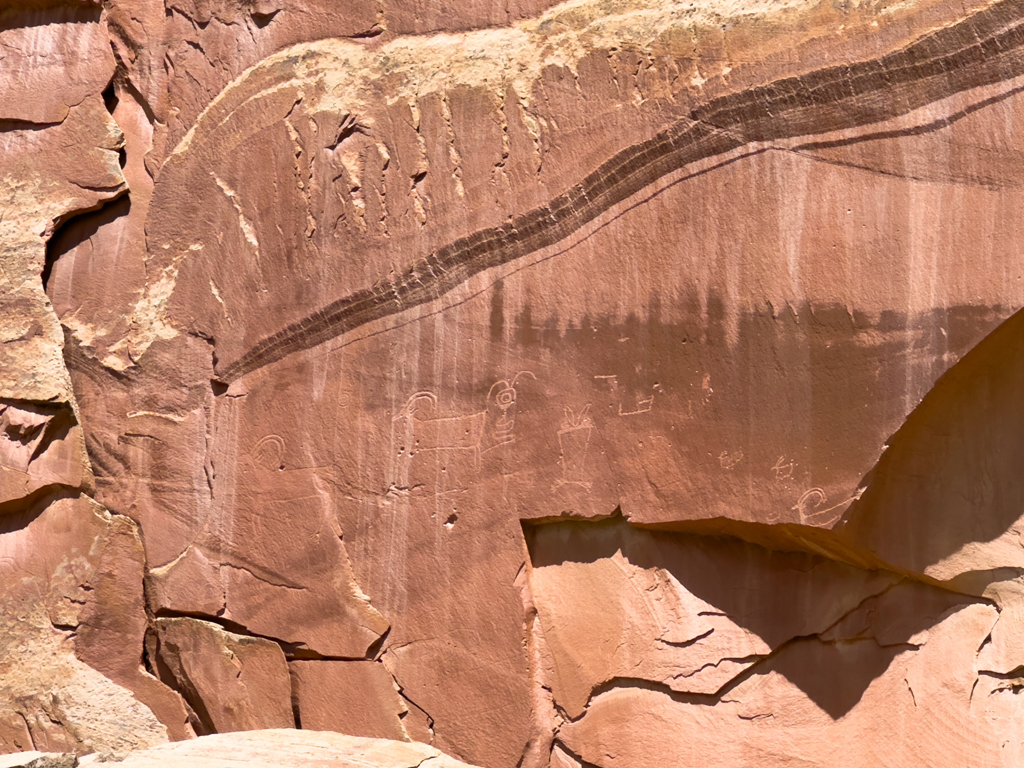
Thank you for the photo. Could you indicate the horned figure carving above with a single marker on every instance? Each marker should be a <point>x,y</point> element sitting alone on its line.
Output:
<point>422,429</point>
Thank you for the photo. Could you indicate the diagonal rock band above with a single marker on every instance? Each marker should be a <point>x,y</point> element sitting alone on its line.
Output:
<point>821,103</point>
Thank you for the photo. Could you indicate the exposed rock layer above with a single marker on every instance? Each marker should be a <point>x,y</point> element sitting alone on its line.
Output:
<point>561,384</point>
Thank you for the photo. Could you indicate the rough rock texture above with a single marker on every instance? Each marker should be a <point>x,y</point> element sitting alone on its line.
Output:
<point>71,576</point>
<point>283,749</point>
<point>232,682</point>
<point>355,697</point>
<point>260,749</point>
<point>596,383</point>
<point>38,760</point>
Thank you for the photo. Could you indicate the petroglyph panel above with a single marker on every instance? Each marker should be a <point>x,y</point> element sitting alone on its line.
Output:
<point>551,373</point>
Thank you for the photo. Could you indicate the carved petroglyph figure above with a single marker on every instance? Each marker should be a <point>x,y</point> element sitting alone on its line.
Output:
<point>478,432</point>
<point>706,388</point>
<point>420,430</point>
<point>573,443</point>
<point>812,509</point>
<point>269,452</point>
<point>783,468</point>
<point>728,459</point>
<point>641,404</point>
<point>501,414</point>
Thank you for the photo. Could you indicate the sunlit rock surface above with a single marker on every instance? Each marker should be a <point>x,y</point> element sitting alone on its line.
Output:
<point>558,384</point>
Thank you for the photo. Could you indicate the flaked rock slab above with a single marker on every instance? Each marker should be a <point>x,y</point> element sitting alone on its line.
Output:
<point>690,613</point>
<point>858,702</point>
<point>354,697</point>
<point>232,682</point>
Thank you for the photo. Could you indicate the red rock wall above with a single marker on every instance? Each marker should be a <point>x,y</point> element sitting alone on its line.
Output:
<point>585,384</point>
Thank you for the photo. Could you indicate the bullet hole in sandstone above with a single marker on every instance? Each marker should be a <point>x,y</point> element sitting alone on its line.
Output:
<point>450,522</point>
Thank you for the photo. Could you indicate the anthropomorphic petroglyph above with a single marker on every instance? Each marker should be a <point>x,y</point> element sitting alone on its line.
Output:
<point>500,423</point>
<point>573,444</point>
<point>457,442</point>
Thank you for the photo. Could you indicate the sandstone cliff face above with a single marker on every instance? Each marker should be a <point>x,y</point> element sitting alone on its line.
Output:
<point>603,384</point>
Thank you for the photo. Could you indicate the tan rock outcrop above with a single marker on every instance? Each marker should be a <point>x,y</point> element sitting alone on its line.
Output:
<point>284,749</point>
<point>38,760</point>
<point>276,748</point>
<point>71,576</point>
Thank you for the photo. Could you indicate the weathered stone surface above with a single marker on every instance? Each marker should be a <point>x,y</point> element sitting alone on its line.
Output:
<point>232,682</point>
<point>822,704</point>
<point>38,760</point>
<point>354,697</point>
<point>593,383</point>
<point>690,613</point>
<point>41,446</point>
<point>284,749</point>
<point>71,585</point>
<point>54,59</point>
<point>41,183</point>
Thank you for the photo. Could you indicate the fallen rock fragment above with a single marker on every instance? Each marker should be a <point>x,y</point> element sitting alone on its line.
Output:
<point>689,613</point>
<point>912,706</point>
<point>41,447</point>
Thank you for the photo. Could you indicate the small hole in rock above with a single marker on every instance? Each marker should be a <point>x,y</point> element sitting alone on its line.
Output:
<point>110,99</point>
<point>262,19</point>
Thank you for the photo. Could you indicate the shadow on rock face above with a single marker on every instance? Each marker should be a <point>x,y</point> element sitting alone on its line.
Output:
<point>79,229</point>
<point>951,476</point>
<point>697,615</point>
<point>43,12</point>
